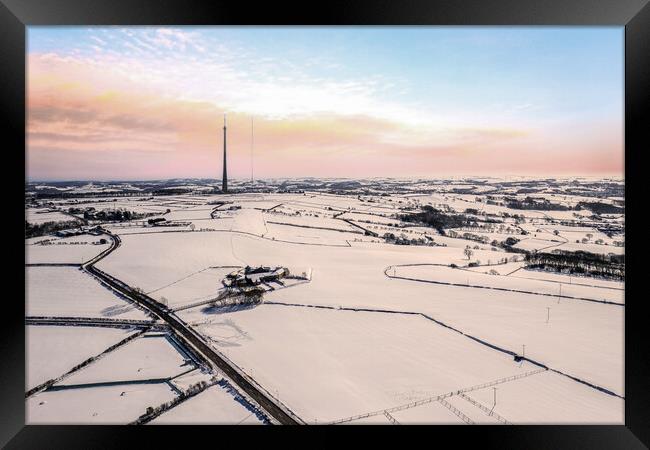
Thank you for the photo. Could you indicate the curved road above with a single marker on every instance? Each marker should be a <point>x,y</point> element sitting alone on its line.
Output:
<point>190,337</point>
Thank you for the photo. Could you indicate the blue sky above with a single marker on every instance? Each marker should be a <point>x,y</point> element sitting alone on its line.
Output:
<point>538,80</point>
<point>558,69</point>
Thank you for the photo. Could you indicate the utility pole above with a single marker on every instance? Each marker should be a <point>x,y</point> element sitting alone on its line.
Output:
<point>548,313</point>
<point>560,295</point>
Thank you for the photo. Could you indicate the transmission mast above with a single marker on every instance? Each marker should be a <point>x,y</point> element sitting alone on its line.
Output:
<point>224,179</point>
<point>252,144</point>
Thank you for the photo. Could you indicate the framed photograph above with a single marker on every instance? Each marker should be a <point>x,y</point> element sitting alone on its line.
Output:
<point>383,214</point>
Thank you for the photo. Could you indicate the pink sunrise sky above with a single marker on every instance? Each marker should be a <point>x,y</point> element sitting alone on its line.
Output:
<point>108,103</point>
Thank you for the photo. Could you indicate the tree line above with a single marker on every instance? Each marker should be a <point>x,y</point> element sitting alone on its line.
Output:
<point>437,219</point>
<point>579,262</point>
<point>45,228</point>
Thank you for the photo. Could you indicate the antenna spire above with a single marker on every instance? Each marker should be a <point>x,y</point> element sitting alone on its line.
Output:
<point>224,179</point>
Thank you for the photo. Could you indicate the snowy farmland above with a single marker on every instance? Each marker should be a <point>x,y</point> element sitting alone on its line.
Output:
<point>52,350</point>
<point>69,292</point>
<point>63,250</point>
<point>98,405</point>
<point>215,406</point>
<point>146,358</point>
<point>379,360</point>
<point>39,216</point>
<point>418,305</point>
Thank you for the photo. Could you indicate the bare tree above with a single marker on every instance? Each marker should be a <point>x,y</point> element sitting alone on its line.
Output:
<point>468,252</point>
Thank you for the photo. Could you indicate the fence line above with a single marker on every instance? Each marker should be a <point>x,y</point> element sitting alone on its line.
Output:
<point>439,397</point>
<point>456,411</point>
<point>390,418</point>
<point>487,411</point>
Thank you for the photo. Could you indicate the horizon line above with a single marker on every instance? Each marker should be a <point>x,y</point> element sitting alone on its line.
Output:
<point>247,180</point>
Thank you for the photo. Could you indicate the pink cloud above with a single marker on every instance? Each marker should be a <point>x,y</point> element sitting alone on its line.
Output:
<point>87,124</point>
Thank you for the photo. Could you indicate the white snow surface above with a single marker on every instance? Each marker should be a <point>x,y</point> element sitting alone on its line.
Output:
<point>97,405</point>
<point>214,406</point>
<point>360,361</point>
<point>69,292</point>
<point>52,351</point>
<point>144,358</point>
<point>590,335</point>
<point>69,250</point>
<point>320,355</point>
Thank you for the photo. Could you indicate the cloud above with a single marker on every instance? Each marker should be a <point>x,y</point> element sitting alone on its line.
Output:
<point>158,92</point>
<point>98,40</point>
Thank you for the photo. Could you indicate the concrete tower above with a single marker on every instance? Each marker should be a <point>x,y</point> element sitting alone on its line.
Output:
<point>224,180</point>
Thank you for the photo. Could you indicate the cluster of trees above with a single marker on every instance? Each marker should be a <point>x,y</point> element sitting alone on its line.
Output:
<point>42,229</point>
<point>115,215</point>
<point>537,204</point>
<point>543,204</point>
<point>474,237</point>
<point>402,239</point>
<point>435,218</point>
<point>579,262</point>
<point>56,194</point>
<point>508,245</point>
<point>517,217</point>
<point>172,191</point>
<point>486,218</point>
<point>77,210</point>
<point>601,208</point>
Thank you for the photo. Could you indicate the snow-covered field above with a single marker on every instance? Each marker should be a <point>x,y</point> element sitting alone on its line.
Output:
<point>51,351</point>
<point>548,398</point>
<point>214,406</point>
<point>39,216</point>
<point>202,285</point>
<point>70,292</point>
<point>444,274</point>
<point>69,250</point>
<point>97,405</point>
<point>145,358</point>
<point>154,260</point>
<point>359,361</point>
<point>589,334</point>
<point>377,326</point>
<point>568,279</point>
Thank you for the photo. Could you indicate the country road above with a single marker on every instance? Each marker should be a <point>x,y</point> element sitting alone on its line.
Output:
<point>190,337</point>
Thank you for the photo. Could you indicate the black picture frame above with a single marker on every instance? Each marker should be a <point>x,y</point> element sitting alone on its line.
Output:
<point>634,15</point>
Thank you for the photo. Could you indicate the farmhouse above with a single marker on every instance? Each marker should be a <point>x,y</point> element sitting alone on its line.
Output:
<point>251,276</point>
